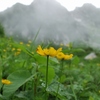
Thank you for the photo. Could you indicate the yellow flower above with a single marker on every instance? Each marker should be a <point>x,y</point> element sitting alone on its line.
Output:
<point>32,52</point>
<point>5,81</point>
<point>40,51</point>
<point>68,45</point>
<point>98,64</point>
<point>4,50</point>
<point>59,50</point>
<point>19,50</point>
<point>68,57</point>
<point>61,44</point>
<point>99,91</point>
<point>52,52</point>
<point>48,51</point>
<point>13,49</point>
<point>60,55</point>
<point>21,43</point>
<point>30,42</point>
<point>28,45</point>
<point>17,53</point>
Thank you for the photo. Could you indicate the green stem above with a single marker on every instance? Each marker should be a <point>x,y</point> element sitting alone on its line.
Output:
<point>35,82</point>
<point>46,84</point>
<point>61,71</point>
<point>47,72</point>
<point>1,90</point>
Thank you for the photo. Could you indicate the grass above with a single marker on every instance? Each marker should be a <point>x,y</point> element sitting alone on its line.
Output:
<point>78,79</point>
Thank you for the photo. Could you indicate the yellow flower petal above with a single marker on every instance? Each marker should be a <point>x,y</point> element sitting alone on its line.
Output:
<point>40,51</point>
<point>46,52</point>
<point>59,50</point>
<point>5,81</point>
<point>60,55</point>
<point>68,57</point>
<point>52,52</point>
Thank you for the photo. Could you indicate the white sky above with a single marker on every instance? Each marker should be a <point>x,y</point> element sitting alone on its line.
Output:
<point>69,4</point>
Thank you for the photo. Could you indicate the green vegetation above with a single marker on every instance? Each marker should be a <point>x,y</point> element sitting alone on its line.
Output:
<point>34,73</point>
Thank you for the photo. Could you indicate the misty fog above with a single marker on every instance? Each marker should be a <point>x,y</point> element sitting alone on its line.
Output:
<point>54,23</point>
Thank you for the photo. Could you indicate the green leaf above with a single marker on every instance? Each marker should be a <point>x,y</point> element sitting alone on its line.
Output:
<point>1,97</point>
<point>23,95</point>
<point>63,79</point>
<point>51,73</point>
<point>54,60</point>
<point>17,78</point>
<point>91,98</point>
<point>79,50</point>
<point>62,93</point>
<point>40,59</point>
<point>75,60</point>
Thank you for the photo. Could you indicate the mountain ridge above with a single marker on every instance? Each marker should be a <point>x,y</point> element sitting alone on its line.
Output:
<point>55,22</point>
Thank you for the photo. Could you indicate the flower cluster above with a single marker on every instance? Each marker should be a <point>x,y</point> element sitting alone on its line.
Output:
<point>61,55</point>
<point>53,53</point>
<point>29,43</point>
<point>18,51</point>
<point>5,81</point>
<point>48,51</point>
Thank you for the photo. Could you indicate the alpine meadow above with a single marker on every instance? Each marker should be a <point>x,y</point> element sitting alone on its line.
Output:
<point>49,53</point>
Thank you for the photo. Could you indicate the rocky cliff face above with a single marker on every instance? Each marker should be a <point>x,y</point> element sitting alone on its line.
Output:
<point>54,21</point>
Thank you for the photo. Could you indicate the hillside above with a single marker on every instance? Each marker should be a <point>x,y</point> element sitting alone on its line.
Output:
<point>55,22</point>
